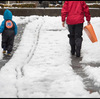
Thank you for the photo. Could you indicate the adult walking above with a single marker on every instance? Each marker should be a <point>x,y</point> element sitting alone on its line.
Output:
<point>75,11</point>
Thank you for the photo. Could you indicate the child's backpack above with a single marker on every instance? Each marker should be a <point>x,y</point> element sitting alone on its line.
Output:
<point>9,24</point>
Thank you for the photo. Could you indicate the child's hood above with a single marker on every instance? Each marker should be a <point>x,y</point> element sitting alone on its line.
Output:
<point>7,15</point>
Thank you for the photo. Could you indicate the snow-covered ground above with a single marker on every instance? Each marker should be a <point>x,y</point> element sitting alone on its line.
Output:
<point>41,66</point>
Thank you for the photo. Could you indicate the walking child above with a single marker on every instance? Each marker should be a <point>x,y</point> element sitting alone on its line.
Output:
<point>75,11</point>
<point>8,29</point>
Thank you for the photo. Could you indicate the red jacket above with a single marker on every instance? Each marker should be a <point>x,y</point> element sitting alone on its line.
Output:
<point>75,11</point>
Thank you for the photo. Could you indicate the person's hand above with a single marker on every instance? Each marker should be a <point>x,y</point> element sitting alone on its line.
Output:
<point>63,24</point>
<point>88,22</point>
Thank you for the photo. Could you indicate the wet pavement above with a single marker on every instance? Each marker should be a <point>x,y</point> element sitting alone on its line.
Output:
<point>77,67</point>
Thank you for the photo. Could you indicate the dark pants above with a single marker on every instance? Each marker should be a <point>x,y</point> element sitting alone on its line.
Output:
<point>75,36</point>
<point>7,41</point>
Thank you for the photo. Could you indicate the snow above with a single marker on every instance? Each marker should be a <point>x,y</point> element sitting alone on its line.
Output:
<point>41,66</point>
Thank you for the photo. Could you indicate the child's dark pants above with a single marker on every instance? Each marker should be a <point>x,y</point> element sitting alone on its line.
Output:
<point>75,38</point>
<point>7,41</point>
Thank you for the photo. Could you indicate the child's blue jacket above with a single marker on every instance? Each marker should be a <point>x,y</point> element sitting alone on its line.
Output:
<point>7,16</point>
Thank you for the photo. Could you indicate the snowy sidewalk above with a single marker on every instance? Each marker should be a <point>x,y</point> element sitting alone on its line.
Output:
<point>41,66</point>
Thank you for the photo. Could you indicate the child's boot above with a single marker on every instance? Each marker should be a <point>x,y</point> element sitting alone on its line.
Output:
<point>4,52</point>
<point>8,53</point>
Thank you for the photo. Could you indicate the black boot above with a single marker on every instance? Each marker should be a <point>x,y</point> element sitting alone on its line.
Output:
<point>78,49</point>
<point>73,50</point>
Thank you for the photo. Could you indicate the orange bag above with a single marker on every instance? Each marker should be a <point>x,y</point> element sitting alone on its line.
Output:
<point>91,33</point>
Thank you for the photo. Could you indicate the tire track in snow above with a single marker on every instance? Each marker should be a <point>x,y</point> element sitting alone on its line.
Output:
<point>33,48</point>
<point>20,73</point>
